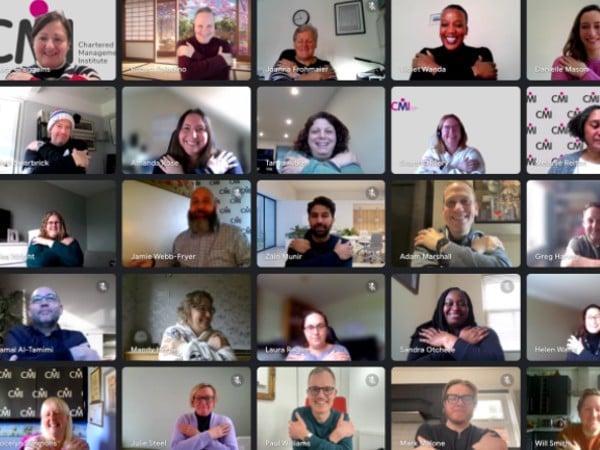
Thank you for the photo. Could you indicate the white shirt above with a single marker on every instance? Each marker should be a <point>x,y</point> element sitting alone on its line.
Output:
<point>433,162</point>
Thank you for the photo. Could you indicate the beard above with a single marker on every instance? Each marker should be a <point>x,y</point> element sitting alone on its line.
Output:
<point>320,232</point>
<point>203,224</point>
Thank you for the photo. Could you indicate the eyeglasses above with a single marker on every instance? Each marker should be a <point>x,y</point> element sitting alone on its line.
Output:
<point>203,398</point>
<point>203,309</point>
<point>319,327</point>
<point>594,318</point>
<point>314,390</point>
<point>51,298</point>
<point>453,399</point>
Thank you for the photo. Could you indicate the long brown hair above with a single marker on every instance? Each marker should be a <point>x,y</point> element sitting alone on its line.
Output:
<point>574,46</point>
<point>178,153</point>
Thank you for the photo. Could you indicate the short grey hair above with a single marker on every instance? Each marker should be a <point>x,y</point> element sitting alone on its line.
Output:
<point>304,28</point>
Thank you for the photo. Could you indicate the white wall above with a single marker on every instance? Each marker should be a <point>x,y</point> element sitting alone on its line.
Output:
<point>152,218</point>
<point>365,403</point>
<point>276,29</point>
<point>362,111</point>
<point>483,111</point>
<point>492,24</point>
<point>548,26</point>
<point>164,391</point>
<point>564,320</point>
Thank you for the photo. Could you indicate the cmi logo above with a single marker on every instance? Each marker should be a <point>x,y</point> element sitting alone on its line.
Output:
<point>64,393</point>
<point>592,97</point>
<point>575,145</point>
<point>559,98</point>
<point>573,112</point>
<point>531,161</point>
<point>6,374</point>
<point>531,129</point>
<point>5,412</point>
<point>559,129</point>
<point>543,114</point>
<point>52,374</point>
<point>531,98</point>
<point>16,393</point>
<point>402,105</point>
<point>28,374</point>
<point>544,145</point>
<point>76,374</point>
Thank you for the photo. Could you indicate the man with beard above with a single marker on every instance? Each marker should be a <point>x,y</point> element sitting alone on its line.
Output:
<point>320,248</point>
<point>584,251</point>
<point>207,242</point>
<point>44,339</point>
<point>457,244</point>
<point>62,154</point>
<point>459,399</point>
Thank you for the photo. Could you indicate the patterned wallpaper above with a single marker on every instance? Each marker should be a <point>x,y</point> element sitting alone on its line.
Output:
<point>150,302</point>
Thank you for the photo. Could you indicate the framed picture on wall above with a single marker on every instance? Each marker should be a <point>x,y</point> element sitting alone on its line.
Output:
<point>96,385</point>
<point>349,18</point>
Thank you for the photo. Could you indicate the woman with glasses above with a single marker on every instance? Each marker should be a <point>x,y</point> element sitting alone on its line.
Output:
<point>453,335</point>
<point>204,428</point>
<point>193,338</point>
<point>53,247</point>
<point>585,345</point>
<point>320,342</point>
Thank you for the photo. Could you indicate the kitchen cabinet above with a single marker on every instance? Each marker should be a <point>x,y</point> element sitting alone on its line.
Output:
<point>548,394</point>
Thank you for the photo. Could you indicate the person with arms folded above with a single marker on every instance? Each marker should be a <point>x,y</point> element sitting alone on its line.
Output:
<point>204,56</point>
<point>454,60</point>
<point>318,425</point>
<point>457,244</point>
<point>193,338</point>
<point>300,63</point>
<point>450,153</point>
<point>459,399</point>
<point>581,54</point>
<point>204,429</point>
<point>322,148</point>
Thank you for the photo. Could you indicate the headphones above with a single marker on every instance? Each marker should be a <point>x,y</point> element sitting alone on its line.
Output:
<point>438,133</point>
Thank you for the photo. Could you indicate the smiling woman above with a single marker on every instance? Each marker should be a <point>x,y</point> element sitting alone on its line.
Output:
<point>322,148</point>
<point>192,149</point>
<point>52,38</point>
<point>453,335</point>
<point>320,342</point>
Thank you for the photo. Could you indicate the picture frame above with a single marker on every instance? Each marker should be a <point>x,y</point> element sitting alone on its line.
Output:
<point>349,18</point>
<point>95,385</point>
<point>499,201</point>
<point>96,414</point>
<point>265,383</point>
<point>409,280</point>
<point>12,235</point>
<point>110,391</point>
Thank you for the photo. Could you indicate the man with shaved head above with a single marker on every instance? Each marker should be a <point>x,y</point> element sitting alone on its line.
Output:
<point>457,244</point>
<point>44,339</point>
<point>207,242</point>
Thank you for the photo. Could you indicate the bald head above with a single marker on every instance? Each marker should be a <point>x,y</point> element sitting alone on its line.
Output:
<point>44,309</point>
<point>202,215</point>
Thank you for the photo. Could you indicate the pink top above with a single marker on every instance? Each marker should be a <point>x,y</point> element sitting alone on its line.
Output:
<point>593,74</point>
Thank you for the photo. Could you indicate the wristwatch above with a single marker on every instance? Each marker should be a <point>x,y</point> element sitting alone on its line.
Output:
<point>440,243</point>
<point>308,436</point>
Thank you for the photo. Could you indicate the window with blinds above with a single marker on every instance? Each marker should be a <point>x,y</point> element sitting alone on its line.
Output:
<point>139,20</point>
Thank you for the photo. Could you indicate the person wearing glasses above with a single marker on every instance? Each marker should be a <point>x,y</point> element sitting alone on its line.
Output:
<point>458,244</point>
<point>193,338</point>
<point>452,333</point>
<point>320,343</point>
<point>44,339</point>
<point>54,247</point>
<point>585,345</point>
<point>319,425</point>
<point>204,428</point>
<point>459,399</point>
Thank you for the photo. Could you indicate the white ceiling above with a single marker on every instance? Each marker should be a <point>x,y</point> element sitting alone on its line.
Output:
<point>567,289</point>
<point>275,104</point>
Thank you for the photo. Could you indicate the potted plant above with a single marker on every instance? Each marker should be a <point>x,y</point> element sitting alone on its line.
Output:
<point>296,232</point>
<point>8,318</point>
